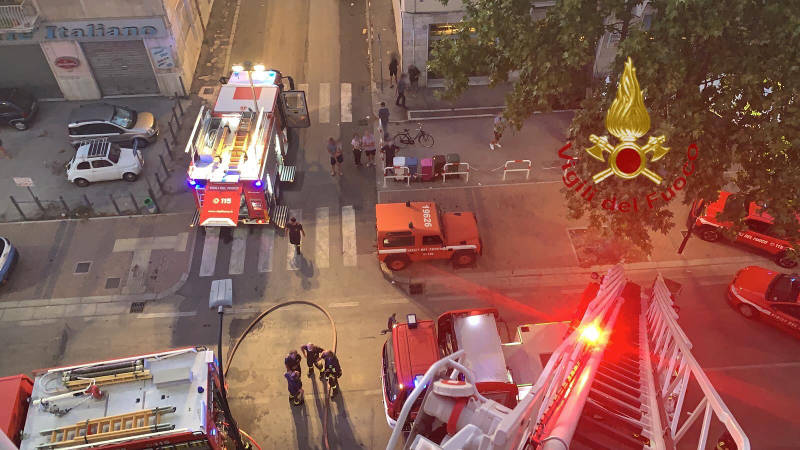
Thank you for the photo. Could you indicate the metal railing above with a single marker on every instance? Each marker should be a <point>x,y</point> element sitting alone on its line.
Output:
<point>19,18</point>
<point>398,174</point>
<point>527,167</point>
<point>674,367</point>
<point>461,168</point>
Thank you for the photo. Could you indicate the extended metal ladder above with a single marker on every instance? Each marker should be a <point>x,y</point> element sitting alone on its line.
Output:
<point>240,141</point>
<point>111,427</point>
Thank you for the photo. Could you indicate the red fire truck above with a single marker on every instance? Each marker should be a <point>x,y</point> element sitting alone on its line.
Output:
<point>504,371</point>
<point>160,400</point>
<point>238,150</point>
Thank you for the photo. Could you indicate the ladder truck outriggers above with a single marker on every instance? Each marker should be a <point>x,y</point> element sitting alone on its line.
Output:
<point>618,378</point>
<point>165,400</point>
<point>238,150</point>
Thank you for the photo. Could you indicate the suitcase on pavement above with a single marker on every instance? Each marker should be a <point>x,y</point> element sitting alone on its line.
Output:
<point>438,164</point>
<point>399,161</point>
<point>454,159</point>
<point>412,164</point>
<point>426,169</point>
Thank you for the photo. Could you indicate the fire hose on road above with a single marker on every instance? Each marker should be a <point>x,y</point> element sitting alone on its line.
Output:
<point>255,322</point>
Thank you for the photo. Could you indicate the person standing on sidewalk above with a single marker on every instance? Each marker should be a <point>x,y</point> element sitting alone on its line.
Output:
<point>393,71</point>
<point>413,76</point>
<point>368,144</point>
<point>295,231</point>
<point>401,92</point>
<point>383,115</point>
<point>3,151</point>
<point>387,154</point>
<point>295,385</point>
<point>311,353</point>
<point>335,152</point>
<point>292,361</point>
<point>499,125</point>
<point>356,143</point>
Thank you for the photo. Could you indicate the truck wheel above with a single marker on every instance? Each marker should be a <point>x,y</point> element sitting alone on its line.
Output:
<point>747,311</point>
<point>784,260</point>
<point>397,262</point>
<point>709,233</point>
<point>80,182</point>
<point>464,258</point>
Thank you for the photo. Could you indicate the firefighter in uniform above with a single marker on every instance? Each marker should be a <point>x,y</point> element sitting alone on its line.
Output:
<point>292,361</point>
<point>295,385</point>
<point>311,353</point>
<point>331,370</point>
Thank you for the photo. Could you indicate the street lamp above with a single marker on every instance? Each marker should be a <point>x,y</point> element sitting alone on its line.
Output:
<point>221,297</point>
<point>248,67</point>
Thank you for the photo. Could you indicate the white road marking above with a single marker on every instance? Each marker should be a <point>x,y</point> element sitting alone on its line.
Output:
<point>347,102</point>
<point>163,315</point>
<point>324,103</point>
<point>142,248</point>
<point>349,236</point>
<point>322,242</point>
<point>344,305</point>
<point>209,258</point>
<point>393,301</point>
<point>238,247</point>
<point>290,251</point>
<point>265,249</point>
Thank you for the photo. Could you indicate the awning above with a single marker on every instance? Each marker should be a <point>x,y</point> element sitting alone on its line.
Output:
<point>221,205</point>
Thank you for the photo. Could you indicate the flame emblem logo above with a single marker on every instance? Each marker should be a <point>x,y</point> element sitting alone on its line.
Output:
<point>627,120</point>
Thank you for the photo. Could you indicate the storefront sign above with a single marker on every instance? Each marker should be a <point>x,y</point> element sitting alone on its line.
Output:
<point>93,30</point>
<point>67,62</point>
<point>627,120</point>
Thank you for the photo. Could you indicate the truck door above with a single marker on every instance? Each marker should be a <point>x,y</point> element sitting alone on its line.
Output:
<point>433,247</point>
<point>296,109</point>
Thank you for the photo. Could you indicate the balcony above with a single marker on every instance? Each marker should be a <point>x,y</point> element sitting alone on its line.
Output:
<point>17,17</point>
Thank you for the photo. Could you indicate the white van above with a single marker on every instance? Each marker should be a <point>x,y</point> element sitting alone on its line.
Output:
<point>100,160</point>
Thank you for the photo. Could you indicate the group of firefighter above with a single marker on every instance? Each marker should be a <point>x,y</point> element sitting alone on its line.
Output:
<point>324,360</point>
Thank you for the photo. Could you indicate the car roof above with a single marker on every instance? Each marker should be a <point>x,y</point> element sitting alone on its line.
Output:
<point>93,112</point>
<point>396,217</point>
<point>92,149</point>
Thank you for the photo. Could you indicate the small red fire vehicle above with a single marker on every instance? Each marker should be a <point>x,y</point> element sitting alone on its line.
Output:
<point>759,233</point>
<point>759,293</point>
<point>163,400</point>
<point>503,371</point>
<point>418,231</point>
<point>238,150</point>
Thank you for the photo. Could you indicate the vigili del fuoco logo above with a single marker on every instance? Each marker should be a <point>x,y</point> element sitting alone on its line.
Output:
<point>627,120</point>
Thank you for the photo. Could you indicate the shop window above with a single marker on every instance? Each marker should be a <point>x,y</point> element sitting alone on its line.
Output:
<point>439,31</point>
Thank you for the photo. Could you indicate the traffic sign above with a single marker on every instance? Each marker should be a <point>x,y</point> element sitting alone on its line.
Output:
<point>23,181</point>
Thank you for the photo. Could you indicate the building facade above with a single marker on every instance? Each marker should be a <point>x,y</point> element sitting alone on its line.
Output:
<point>90,49</point>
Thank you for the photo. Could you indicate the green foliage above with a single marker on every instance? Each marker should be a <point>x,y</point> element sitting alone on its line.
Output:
<point>735,50</point>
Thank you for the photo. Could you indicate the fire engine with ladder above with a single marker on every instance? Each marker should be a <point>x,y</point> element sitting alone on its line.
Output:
<point>166,400</point>
<point>619,377</point>
<point>238,150</point>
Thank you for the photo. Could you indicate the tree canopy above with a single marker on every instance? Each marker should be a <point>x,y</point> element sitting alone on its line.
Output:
<point>724,76</point>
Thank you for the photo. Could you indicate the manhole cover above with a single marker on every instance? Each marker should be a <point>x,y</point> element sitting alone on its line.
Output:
<point>112,283</point>
<point>137,307</point>
<point>83,267</point>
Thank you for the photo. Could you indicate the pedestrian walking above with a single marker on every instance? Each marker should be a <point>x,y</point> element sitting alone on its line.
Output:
<point>295,385</point>
<point>311,353</point>
<point>387,153</point>
<point>383,115</point>
<point>3,151</point>
<point>413,76</point>
<point>368,144</point>
<point>356,143</point>
<point>292,361</point>
<point>401,92</point>
<point>393,71</point>
<point>499,125</point>
<point>295,231</point>
<point>335,152</point>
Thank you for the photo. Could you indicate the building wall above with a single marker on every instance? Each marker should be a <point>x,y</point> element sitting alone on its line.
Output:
<point>434,6</point>
<point>187,23</point>
<point>415,42</point>
<point>55,10</point>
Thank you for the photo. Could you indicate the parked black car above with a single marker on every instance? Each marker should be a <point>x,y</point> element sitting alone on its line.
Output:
<point>17,107</point>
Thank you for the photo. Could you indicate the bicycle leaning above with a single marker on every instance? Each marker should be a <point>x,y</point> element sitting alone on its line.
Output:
<point>422,137</point>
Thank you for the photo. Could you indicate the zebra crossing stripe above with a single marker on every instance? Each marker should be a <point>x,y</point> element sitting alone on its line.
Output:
<point>347,102</point>
<point>349,236</point>
<point>266,241</point>
<point>236,266</point>
<point>290,252</point>
<point>324,103</point>
<point>322,244</point>
<point>209,259</point>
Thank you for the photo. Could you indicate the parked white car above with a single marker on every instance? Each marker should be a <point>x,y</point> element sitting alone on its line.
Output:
<point>100,160</point>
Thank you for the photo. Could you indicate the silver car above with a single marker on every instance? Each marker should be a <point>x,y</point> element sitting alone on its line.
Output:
<point>116,123</point>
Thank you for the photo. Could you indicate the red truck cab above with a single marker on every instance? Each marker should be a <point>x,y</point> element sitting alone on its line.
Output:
<point>758,234</point>
<point>759,293</point>
<point>418,231</point>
